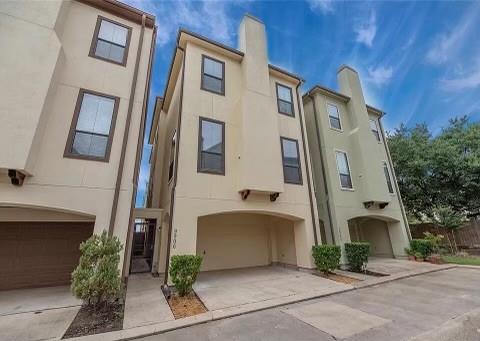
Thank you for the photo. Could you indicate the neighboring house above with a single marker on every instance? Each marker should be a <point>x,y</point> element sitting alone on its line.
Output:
<point>75,83</point>
<point>356,190</point>
<point>230,167</point>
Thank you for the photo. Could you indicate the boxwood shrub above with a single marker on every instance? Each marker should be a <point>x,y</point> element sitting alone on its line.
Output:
<point>357,255</point>
<point>423,247</point>
<point>183,271</point>
<point>326,257</point>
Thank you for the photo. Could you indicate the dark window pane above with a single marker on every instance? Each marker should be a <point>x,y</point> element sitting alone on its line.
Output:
<point>212,137</point>
<point>212,84</point>
<point>212,162</point>
<point>377,135</point>
<point>212,68</point>
<point>335,123</point>
<point>89,144</point>
<point>284,93</point>
<point>292,174</point>
<point>285,107</point>
<point>345,181</point>
<point>387,177</point>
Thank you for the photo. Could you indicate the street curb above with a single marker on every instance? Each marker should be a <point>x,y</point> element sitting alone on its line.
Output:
<point>215,315</point>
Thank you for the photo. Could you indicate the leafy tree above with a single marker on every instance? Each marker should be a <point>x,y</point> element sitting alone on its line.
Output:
<point>441,170</point>
<point>449,219</point>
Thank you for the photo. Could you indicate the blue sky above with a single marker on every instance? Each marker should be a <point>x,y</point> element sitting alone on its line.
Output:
<point>418,61</point>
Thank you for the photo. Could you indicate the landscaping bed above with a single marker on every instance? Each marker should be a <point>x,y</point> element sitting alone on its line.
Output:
<point>185,306</point>
<point>337,277</point>
<point>100,320</point>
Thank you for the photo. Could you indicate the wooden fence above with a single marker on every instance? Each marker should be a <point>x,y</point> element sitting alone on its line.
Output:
<point>467,236</point>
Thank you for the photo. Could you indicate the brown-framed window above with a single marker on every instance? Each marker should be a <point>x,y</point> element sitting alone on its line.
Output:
<point>292,171</point>
<point>387,177</point>
<point>110,41</point>
<point>285,100</point>
<point>334,117</point>
<point>213,75</point>
<point>343,170</point>
<point>172,156</point>
<point>374,128</point>
<point>92,127</point>
<point>211,146</point>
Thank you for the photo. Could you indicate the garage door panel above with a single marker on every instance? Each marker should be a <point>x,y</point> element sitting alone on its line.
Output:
<point>35,254</point>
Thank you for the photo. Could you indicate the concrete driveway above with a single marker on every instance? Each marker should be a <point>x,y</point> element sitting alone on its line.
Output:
<point>437,306</point>
<point>36,314</point>
<point>233,288</point>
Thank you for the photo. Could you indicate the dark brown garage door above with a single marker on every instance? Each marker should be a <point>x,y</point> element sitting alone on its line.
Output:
<point>35,254</point>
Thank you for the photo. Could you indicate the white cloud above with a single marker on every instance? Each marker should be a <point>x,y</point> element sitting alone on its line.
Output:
<point>468,81</point>
<point>324,6</point>
<point>446,45</point>
<point>380,75</point>
<point>366,31</point>
<point>210,18</point>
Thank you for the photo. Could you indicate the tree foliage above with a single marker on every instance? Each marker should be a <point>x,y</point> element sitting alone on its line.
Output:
<point>440,170</point>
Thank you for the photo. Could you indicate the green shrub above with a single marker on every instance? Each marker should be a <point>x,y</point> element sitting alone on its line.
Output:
<point>424,247</point>
<point>435,240</point>
<point>409,251</point>
<point>183,271</point>
<point>327,257</point>
<point>357,255</point>
<point>96,280</point>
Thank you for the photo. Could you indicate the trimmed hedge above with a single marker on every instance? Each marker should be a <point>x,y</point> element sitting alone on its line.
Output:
<point>423,247</point>
<point>326,257</point>
<point>357,255</point>
<point>183,271</point>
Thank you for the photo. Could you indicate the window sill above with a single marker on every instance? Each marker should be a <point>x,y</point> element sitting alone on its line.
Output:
<point>336,130</point>
<point>86,157</point>
<point>347,189</point>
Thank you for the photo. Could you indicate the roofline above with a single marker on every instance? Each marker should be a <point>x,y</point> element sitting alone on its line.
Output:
<point>122,10</point>
<point>344,98</point>
<point>208,40</point>
<point>293,75</point>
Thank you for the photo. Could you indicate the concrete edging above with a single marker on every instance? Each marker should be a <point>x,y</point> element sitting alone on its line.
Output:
<point>167,326</point>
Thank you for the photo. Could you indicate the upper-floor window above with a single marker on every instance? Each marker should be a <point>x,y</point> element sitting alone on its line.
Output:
<point>213,75</point>
<point>334,117</point>
<point>387,177</point>
<point>91,132</point>
<point>285,100</point>
<point>211,146</point>
<point>343,170</point>
<point>111,41</point>
<point>292,173</point>
<point>172,156</point>
<point>374,128</point>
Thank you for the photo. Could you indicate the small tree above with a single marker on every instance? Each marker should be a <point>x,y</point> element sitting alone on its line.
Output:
<point>450,220</point>
<point>326,257</point>
<point>96,280</point>
<point>184,270</point>
<point>434,240</point>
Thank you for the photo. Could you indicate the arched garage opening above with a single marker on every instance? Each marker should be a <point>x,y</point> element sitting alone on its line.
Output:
<point>239,240</point>
<point>374,230</point>
<point>40,246</point>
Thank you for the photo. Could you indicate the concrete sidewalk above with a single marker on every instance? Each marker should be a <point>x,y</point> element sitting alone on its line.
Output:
<point>240,282</point>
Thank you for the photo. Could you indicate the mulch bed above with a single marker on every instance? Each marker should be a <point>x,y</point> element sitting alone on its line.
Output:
<point>185,306</point>
<point>337,278</point>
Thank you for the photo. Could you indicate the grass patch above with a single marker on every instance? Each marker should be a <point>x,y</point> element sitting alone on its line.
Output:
<point>461,260</point>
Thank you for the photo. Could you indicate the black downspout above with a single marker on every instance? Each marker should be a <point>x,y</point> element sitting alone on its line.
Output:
<point>324,175</point>
<point>307,166</point>
<point>174,183</point>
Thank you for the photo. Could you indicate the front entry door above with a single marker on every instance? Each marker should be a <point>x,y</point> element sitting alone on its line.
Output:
<point>142,246</point>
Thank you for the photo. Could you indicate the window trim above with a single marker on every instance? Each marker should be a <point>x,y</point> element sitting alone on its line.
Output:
<point>349,170</point>
<point>339,117</point>
<point>199,149</point>
<point>385,165</point>
<point>379,140</point>
<point>300,182</point>
<point>277,84</point>
<point>222,92</point>
<point>68,147</point>
<point>93,45</point>
<point>171,163</point>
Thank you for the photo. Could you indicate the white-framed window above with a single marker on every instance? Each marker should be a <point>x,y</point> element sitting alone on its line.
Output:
<point>334,117</point>
<point>387,177</point>
<point>374,128</point>
<point>343,169</point>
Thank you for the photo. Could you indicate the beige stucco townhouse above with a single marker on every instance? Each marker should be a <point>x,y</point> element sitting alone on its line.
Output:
<point>74,84</point>
<point>355,186</point>
<point>230,163</point>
